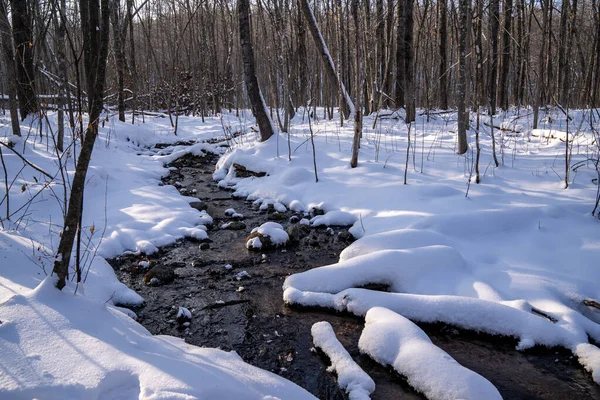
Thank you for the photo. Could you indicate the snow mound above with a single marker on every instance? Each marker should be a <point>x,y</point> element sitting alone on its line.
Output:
<point>334,218</point>
<point>296,175</point>
<point>399,239</point>
<point>351,377</point>
<point>391,339</point>
<point>104,354</point>
<point>430,270</point>
<point>269,234</point>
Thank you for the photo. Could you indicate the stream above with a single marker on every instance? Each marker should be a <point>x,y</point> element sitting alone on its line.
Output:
<point>245,312</point>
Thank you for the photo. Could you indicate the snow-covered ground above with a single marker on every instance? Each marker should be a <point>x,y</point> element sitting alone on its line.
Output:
<point>519,246</point>
<point>78,344</point>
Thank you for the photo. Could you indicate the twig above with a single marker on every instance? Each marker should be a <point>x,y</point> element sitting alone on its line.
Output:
<point>26,161</point>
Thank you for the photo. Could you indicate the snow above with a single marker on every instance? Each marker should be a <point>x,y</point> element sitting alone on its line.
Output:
<point>273,231</point>
<point>351,377</point>
<point>183,312</point>
<point>393,340</point>
<point>334,218</point>
<point>57,345</point>
<point>44,332</point>
<point>254,243</point>
<point>399,239</point>
<point>518,242</point>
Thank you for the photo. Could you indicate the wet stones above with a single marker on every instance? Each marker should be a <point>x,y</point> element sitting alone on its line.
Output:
<point>258,241</point>
<point>160,275</point>
<point>297,232</point>
<point>316,211</point>
<point>234,226</point>
<point>184,316</point>
<point>199,205</point>
<point>243,172</point>
<point>276,216</point>
<point>345,236</point>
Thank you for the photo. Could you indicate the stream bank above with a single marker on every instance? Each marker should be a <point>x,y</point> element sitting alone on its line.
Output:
<point>246,313</point>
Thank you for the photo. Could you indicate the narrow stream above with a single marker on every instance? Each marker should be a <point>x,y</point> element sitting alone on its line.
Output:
<point>247,313</point>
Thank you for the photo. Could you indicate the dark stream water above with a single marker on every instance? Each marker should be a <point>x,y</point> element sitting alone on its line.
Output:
<point>265,332</point>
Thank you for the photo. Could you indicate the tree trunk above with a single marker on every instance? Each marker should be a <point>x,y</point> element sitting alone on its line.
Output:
<point>330,70</point>
<point>359,81</point>
<point>443,74</point>
<point>95,27</point>
<point>257,102</point>
<point>596,83</point>
<point>569,78</point>
<point>61,29</point>
<point>23,38</point>
<point>493,70</point>
<point>409,74</point>
<point>540,79</point>
<point>480,92</point>
<point>463,120</point>
<point>9,67</point>
<point>505,62</point>
<point>302,57</point>
<point>400,54</point>
<point>562,49</point>
<point>389,87</point>
<point>119,44</point>
<point>133,63</point>
<point>381,51</point>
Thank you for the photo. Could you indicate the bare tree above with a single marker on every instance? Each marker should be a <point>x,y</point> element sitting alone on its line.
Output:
<point>443,73</point>
<point>359,81</point>
<point>494,23</point>
<point>348,106</point>
<point>23,37</point>
<point>259,108</point>
<point>505,60</point>
<point>9,66</point>
<point>95,29</point>
<point>463,116</point>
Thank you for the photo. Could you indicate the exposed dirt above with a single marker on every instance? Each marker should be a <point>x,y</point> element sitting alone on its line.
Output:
<point>263,331</point>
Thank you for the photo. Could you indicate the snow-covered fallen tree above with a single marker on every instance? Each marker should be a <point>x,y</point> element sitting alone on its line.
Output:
<point>393,340</point>
<point>351,377</point>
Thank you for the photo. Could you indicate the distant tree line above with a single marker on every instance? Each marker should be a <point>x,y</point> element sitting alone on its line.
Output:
<point>184,56</point>
<point>200,57</point>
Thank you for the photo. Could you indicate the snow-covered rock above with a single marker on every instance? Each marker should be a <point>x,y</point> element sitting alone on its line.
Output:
<point>267,236</point>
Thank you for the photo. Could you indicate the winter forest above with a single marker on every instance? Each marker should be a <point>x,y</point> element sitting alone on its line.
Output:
<point>299,199</point>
